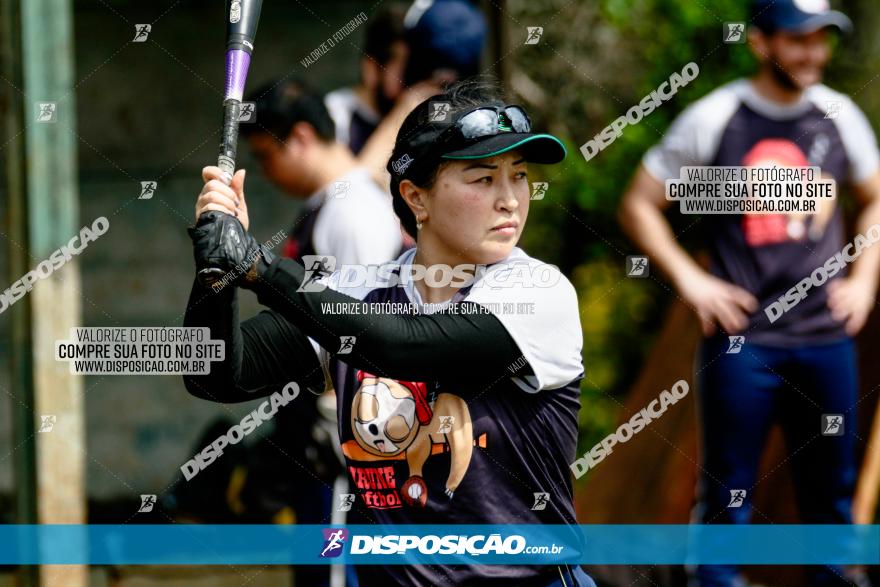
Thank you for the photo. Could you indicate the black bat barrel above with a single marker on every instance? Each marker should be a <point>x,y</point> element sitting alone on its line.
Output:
<point>241,26</point>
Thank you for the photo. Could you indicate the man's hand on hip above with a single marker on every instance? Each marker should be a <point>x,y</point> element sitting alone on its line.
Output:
<point>717,302</point>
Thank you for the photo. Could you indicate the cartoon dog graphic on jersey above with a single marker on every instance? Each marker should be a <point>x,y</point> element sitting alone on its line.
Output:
<point>390,417</point>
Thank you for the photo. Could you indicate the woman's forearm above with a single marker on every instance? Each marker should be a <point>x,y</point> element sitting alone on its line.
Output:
<point>262,354</point>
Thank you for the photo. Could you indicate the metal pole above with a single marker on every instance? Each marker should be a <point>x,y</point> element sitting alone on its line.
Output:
<point>42,184</point>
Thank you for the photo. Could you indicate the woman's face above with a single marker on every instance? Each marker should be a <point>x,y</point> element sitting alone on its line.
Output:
<point>476,209</point>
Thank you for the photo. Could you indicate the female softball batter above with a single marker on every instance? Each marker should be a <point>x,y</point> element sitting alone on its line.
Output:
<point>461,411</point>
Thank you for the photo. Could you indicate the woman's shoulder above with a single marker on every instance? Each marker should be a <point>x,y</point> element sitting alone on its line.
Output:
<point>527,290</point>
<point>538,306</point>
<point>520,271</point>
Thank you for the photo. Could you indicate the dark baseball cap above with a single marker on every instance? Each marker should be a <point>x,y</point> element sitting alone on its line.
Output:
<point>797,16</point>
<point>444,35</point>
<point>430,141</point>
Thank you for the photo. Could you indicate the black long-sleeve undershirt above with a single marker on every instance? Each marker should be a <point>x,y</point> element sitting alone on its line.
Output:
<point>415,347</point>
<point>271,349</point>
<point>263,353</point>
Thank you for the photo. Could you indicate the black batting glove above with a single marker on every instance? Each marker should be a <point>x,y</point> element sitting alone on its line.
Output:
<point>225,253</point>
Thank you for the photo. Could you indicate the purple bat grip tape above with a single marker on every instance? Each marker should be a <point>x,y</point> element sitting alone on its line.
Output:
<point>237,63</point>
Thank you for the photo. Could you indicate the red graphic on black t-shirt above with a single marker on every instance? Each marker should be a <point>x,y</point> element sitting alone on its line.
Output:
<point>396,420</point>
<point>291,249</point>
<point>766,229</point>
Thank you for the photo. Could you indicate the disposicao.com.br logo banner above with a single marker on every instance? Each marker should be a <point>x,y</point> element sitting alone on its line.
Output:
<point>633,544</point>
<point>414,545</point>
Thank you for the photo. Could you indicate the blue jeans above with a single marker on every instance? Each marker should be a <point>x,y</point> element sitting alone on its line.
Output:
<point>740,397</point>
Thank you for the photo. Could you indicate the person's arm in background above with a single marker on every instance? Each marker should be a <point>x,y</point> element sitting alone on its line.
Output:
<point>713,299</point>
<point>852,298</point>
<point>375,153</point>
<point>692,139</point>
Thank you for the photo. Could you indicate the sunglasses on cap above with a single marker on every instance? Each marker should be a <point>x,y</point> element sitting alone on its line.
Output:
<point>486,121</point>
<point>484,131</point>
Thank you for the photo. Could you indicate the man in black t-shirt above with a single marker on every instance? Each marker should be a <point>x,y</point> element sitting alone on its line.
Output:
<point>764,360</point>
